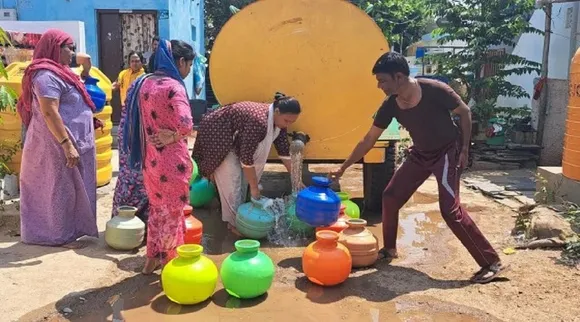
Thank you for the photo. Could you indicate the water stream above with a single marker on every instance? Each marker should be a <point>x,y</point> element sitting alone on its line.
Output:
<point>282,234</point>
<point>297,161</point>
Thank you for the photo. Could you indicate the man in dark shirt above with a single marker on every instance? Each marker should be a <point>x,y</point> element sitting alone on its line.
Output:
<point>151,56</point>
<point>424,108</point>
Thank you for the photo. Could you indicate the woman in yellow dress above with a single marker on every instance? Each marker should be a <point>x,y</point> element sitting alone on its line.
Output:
<point>129,75</point>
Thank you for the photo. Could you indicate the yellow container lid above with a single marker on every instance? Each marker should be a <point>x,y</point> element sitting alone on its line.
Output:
<point>16,70</point>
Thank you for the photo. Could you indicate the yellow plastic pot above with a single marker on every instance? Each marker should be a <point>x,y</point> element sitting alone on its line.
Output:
<point>190,278</point>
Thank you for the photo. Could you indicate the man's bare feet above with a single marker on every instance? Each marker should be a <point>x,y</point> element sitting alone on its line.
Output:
<point>151,265</point>
<point>75,245</point>
<point>234,231</point>
<point>389,254</point>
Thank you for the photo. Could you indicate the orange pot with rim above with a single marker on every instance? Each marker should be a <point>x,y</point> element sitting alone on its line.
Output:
<point>326,262</point>
<point>193,227</point>
<point>340,224</point>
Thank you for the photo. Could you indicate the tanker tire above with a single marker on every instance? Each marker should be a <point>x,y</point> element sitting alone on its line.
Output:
<point>376,177</point>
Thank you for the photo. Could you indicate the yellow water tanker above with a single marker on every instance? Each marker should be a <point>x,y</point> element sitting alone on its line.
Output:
<point>321,52</point>
<point>571,156</point>
<point>11,126</point>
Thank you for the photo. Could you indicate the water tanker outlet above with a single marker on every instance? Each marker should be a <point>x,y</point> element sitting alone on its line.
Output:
<point>299,140</point>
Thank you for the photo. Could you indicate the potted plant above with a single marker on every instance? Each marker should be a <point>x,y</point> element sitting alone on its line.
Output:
<point>8,180</point>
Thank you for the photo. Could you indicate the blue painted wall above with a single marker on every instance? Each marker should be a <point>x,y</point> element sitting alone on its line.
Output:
<point>84,10</point>
<point>186,23</point>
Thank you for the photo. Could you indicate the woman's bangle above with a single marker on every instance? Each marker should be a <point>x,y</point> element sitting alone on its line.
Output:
<point>63,141</point>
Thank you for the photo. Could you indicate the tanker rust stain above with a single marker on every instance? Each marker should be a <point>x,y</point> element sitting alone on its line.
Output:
<point>286,22</point>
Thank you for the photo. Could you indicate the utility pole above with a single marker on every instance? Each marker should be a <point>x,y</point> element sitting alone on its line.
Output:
<point>544,74</point>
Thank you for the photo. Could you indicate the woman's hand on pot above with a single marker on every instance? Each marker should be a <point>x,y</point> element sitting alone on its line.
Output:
<point>71,154</point>
<point>162,138</point>
<point>256,194</point>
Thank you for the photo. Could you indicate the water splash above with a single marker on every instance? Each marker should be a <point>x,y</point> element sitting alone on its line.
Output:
<point>282,234</point>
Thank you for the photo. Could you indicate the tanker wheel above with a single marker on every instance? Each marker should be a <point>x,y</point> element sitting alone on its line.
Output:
<point>376,177</point>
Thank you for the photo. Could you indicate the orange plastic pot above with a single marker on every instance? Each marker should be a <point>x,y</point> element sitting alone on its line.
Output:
<point>340,224</point>
<point>193,227</point>
<point>326,262</point>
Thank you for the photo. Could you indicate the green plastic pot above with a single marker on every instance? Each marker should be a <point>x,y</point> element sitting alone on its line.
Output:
<point>296,225</point>
<point>201,192</point>
<point>194,172</point>
<point>247,273</point>
<point>352,210</point>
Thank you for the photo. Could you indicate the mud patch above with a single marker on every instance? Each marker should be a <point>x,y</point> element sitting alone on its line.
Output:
<point>378,292</point>
<point>421,198</point>
<point>414,231</point>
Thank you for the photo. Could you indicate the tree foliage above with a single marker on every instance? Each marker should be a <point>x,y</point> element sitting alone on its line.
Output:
<point>7,95</point>
<point>396,18</point>
<point>217,13</point>
<point>483,25</point>
<point>399,20</point>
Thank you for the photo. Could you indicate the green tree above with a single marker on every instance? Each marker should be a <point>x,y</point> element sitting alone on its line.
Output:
<point>217,13</point>
<point>402,22</point>
<point>483,25</point>
<point>397,19</point>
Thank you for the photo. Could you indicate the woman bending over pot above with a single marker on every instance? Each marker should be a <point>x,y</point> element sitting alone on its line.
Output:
<point>235,140</point>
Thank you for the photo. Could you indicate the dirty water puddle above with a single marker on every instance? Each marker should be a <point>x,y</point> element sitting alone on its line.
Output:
<point>280,303</point>
<point>368,293</point>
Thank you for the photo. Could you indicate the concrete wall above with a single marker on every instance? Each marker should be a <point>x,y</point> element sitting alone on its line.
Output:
<point>530,46</point>
<point>83,10</point>
<point>186,23</point>
<point>553,140</point>
<point>557,186</point>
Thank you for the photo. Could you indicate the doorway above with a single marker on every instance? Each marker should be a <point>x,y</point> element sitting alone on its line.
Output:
<point>120,32</point>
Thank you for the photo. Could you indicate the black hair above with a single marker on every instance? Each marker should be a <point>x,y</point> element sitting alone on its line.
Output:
<point>286,104</point>
<point>391,63</point>
<point>138,53</point>
<point>181,49</point>
<point>156,38</point>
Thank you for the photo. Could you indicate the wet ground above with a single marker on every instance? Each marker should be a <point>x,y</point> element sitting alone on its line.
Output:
<point>428,283</point>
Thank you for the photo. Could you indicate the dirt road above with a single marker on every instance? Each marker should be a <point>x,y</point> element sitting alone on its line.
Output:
<point>428,283</point>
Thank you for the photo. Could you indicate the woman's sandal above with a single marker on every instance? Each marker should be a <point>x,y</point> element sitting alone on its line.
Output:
<point>489,273</point>
<point>386,254</point>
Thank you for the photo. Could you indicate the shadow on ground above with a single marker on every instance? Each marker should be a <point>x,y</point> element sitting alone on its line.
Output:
<point>382,283</point>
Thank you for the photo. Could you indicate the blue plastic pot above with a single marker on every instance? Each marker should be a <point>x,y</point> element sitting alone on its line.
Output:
<point>97,95</point>
<point>318,205</point>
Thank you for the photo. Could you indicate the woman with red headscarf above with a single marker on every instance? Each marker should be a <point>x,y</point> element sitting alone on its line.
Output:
<point>58,173</point>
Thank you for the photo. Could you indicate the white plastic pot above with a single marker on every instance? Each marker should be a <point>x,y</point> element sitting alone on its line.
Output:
<point>9,187</point>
